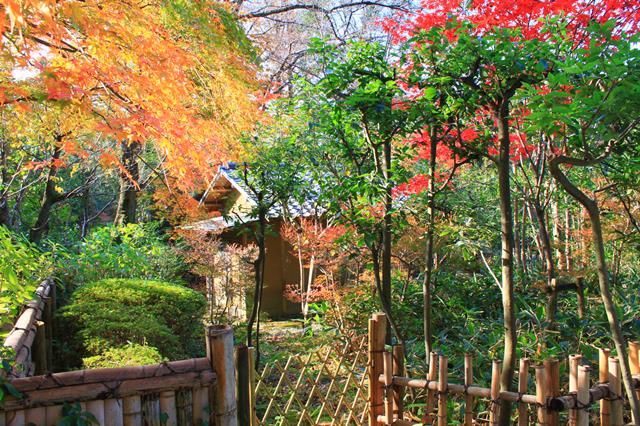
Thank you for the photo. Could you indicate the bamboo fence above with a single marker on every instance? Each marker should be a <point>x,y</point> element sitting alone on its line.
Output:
<point>193,391</point>
<point>547,406</point>
<point>30,337</point>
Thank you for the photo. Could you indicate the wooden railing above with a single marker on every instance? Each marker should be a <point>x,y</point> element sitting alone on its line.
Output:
<point>193,391</point>
<point>30,337</point>
<point>388,381</point>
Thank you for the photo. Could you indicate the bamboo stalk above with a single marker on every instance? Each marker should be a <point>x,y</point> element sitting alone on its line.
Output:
<point>377,330</point>
<point>39,349</point>
<point>16,418</point>
<point>552,387</point>
<point>388,381</point>
<point>37,416</point>
<point>252,386</point>
<point>523,382</point>
<point>540,395</point>
<point>398,391</point>
<point>113,415</point>
<point>468,381</point>
<point>582,396</point>
<point>96,407</point>
<point>244,399</point>
<point>615,386</point>
<point>132,411</point>
<point>442,390</point>
<point>603,377</point>
<point>494,404</point>
<point>220,355</point>
<point>574,363</point>
<point>201,404</point>
<point>54,414</point>
<point>431,396</point>
<point>168,407</point>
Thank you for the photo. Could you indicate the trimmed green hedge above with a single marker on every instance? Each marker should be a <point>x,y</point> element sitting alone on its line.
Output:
<point>115,312</point>
<point>129,355</point>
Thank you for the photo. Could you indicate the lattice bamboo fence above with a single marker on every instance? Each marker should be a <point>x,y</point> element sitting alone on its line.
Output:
<point>587,401</point>
<point>325,387</point>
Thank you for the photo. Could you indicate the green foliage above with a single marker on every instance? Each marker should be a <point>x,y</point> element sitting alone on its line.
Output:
<point>130,355</point>
<point>111,313</point>
<point>22,266</point>
<point>6,388</point>
<point>129,251</point>
<point>72,415</point>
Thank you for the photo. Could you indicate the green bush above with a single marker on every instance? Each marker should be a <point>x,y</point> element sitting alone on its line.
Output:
<point>113,312</point>
<point>129,355</point>
<point>128,251</point>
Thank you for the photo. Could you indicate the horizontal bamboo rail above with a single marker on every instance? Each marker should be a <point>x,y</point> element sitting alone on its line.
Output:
<point>23,333</point>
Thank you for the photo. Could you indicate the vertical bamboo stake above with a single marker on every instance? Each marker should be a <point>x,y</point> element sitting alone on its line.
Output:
<point>552,386</point>
<point>252,386</point>
<point>132,410</point>
<point>494,405</point>
<point>244,399</point>
<point>603,377</point>
<point>54,415</point>
<point>112,413</point>
<point>377,330</point>
<point>540,395</point>
<point>523,381</point>
<point>39,350</point>
<point>36,416</point>
<point>583,394</point>
<point>96,408</point>
<point>580,294</point>
<point>388,388</point>
<point>201,405</point>
<point>574,363</point>
<point>168,407</point>
<point>468,381</point>
<point>220,354</point>
<point>615,387</point>
<point>16,418</point>
<point>431,396</point>
<point>398,391</point>
<point>442,390</point>
<point>634,360</point>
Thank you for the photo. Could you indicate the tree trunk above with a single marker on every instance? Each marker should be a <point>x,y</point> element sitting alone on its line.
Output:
<point>552,293</point>
<point>567,240</point>
<point>49,198</point>
<point>507,242</point>
<point>5,217</point>
<point>593,212</point>
<point>258,265</point>
<point>428,269</point>
<point>129,177</point>
<point>385,295</point>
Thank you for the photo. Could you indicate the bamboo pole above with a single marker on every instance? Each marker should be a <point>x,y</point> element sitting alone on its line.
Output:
<point>398,391</point>
<point>615,387</point>
<point>388,381</point>
<point>574,363</point>
<point>168,407</point>
<point>132,410</point>
<point>113,414</point>
<point>96,407</point>
<point>494,404</point>
<point>580,296</point>
<point>468,381</point>
<point>201,405</point>
<point>252,386</point>
<point>36,416</point>
<point>552,387</point>
<point>523,381</point>
<point>377,330</point>
<point>16,418</point>
<point>54,414</point>
<point>39,349</point>
<point>431,396</point>
<point>603,377</point>
<point>442,390</point>
<point>220,355</point>
<point>582,396</point>
<point>244,399</point>
<point>540,395</point>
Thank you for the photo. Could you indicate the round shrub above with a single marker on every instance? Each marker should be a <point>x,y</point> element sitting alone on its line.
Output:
<point>111,313</point>
<point>129,355</point>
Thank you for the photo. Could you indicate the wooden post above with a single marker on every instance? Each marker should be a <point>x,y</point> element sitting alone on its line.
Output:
<point>377,330</point>
<point>132,410</point>
<point>580,295</point>
<point>468,381</point>
<point>54,415</point>
<point>494,405</point>
<point>96,407</point>
<point>252,386</point>
<point>583,394</point>
<point>574,363</point>
<point>39,350</point>
<point>112,412</point>
<point>523,381</point>
<point>603,377</point>
<point>16,418</point>
<point>634,360</point>
<point>388,389</point>
<point>168,407</point>
<point>431,396</point>
<point>540,395</point>
<point>398,391</point>
<point>244,399</point>
<point>201,404</point>
<point>36,416</point>
<point>615,387</point>
<point>552,387</point>
<point>443,376</point>
<point>220,355</point>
